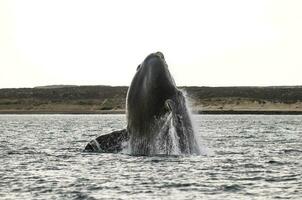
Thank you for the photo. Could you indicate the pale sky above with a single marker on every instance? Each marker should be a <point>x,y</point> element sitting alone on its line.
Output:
<point>206,43</point>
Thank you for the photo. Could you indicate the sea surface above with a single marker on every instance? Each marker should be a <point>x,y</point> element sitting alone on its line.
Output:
<point>244,157</point>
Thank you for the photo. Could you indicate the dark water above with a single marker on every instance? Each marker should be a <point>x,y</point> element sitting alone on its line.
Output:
<point>249,157</point>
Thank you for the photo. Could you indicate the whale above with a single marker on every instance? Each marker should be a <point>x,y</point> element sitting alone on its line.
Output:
<point>157,115</point>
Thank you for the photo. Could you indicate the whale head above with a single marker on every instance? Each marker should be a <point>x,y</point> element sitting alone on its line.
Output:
<point>151,86</point>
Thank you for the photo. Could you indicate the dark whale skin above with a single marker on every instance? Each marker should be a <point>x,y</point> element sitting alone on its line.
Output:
<point>152,100</point>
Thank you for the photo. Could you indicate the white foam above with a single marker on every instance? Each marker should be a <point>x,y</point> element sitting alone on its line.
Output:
<point>167,141</point>
<point>200,141</point>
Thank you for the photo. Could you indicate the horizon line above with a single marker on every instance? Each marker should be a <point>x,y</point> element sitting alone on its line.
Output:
<point>55,86</point>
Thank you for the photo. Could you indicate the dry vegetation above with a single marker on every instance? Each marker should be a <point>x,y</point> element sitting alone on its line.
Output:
<point>106,99</point>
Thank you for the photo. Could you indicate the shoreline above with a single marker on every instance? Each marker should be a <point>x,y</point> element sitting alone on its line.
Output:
<point>199,112</point>
<point>111,100</point>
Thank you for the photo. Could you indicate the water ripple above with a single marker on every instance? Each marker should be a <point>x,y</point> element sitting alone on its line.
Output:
<point>254,157</point>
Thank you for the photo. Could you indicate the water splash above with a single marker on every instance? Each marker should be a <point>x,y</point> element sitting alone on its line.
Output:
<point>126,148</point>
<point>167,141</point>
<point>176,134</point>
<point>200,141</point>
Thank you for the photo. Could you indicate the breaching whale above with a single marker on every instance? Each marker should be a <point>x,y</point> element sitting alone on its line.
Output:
<point>158,120</point>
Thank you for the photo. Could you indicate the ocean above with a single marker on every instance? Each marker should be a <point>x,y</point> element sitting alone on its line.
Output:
<point>243,157</point>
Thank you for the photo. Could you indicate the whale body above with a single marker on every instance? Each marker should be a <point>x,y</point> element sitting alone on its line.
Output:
<point>158,120</point>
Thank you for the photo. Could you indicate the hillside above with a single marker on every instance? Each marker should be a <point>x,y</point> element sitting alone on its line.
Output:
<point>107,99</point>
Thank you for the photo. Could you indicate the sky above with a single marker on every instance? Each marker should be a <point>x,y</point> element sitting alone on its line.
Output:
<point>205,43</point>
